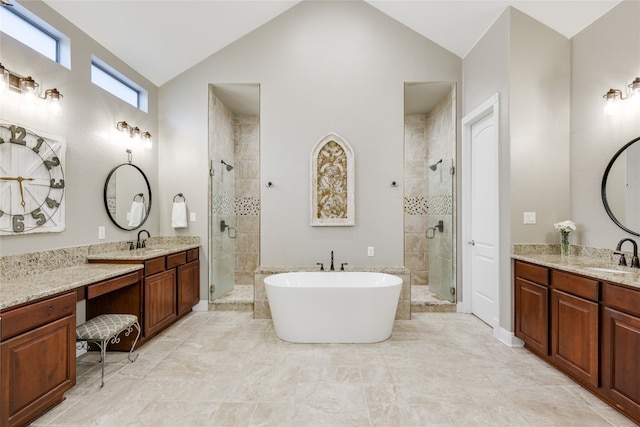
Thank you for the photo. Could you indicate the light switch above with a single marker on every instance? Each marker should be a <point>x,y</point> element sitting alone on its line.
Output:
<point>529,218</point>
<point>192,217</point>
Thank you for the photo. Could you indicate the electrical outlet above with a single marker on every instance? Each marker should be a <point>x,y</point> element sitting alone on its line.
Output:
<point>101,232</point>
<point>370,251</point>
<point>192,217</point>
<point>529,218</point>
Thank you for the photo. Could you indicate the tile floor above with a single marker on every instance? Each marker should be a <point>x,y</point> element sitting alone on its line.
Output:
<point>223,368</point>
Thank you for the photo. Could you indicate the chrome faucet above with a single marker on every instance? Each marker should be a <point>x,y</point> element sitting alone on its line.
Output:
<point>142,244</point>
<point>332,267</point>
<point>623,261</point>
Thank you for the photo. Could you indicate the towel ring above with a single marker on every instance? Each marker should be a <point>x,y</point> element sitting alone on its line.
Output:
<point>179,195</point>
<point>138,195</point>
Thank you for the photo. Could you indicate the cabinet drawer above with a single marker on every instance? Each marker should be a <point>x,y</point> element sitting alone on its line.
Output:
<point>193,254</point>
<point>624,299</point>
<point>153,266</point>
<point>33,315</point>
<point>576,285</point>
<point>175,260</point>
<point>107,286</point>
<point>533,273</point>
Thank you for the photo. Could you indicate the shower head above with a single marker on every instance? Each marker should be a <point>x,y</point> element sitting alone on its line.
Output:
<point>229,167</point>
<point>434,166</point>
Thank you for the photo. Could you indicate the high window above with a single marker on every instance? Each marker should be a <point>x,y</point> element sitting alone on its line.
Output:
<point>117,84</point>
<point>24,26</point>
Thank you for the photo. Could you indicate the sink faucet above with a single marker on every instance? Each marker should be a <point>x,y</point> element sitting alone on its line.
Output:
<point>142,244</point>
<point>332,267</point>
<point>634,261</point>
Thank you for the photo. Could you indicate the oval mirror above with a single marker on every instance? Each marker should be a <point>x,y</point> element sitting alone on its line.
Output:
<point>621,188</point>
<point>127,196</point>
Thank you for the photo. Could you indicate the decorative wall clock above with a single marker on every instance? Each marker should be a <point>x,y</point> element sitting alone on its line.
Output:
<point>32,185</point>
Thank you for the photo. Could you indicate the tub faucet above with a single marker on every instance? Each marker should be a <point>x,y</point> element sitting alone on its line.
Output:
<point>332,267</point>
<point>142,244</point>
<point>623,261</point>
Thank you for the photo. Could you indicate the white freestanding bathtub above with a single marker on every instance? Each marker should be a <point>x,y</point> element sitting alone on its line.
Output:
<point>333,307</point>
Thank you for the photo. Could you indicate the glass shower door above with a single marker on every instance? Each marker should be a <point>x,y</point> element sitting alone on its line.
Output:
<point>221,240</point>
<point>440,228</point>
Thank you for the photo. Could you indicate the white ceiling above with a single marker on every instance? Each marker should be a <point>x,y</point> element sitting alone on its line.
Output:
<point>162,38</point>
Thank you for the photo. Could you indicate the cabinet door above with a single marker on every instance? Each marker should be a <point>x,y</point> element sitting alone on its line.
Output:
<point>188,286</point>
<point>574,335</point>
<point>160,301</point>
<point>532,324</point>
<point>621,365</point>
<point>37,368</point>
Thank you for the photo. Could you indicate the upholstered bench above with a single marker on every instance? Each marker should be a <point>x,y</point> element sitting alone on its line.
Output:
<point>106,328</point>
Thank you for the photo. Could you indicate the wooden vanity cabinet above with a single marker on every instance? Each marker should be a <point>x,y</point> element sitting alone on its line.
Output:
<point>621,347</point>
<point>37,357</point>
<point>159,301</point>
<point>532,306</point>
<point>574,325</point>
<point>189,282</point>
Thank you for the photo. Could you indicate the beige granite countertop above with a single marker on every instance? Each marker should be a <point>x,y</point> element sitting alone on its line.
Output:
<point>20,291</point>
<point>585,266</point>
<point>142,254</point>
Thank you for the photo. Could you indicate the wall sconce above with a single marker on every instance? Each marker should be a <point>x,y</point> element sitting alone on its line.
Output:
<point>28,87</point>
<point>134,132</point>
<point>614,96</point>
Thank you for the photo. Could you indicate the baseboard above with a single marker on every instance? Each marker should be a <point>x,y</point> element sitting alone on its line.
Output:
<point>203,305</point>
<point>507,338</point>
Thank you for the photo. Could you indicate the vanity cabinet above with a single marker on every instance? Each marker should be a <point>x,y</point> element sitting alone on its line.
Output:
<point>621,347</point>
<point>37,357</point>
<point>170,288</point>
<point>574,325</point>
<point>591,327</point>
<point>159,301</point>
<point>532,306</point>
<point>188,283</point>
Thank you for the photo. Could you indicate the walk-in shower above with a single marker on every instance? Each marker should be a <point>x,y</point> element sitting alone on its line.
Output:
<point>234,201</point>
<point>430,144</point>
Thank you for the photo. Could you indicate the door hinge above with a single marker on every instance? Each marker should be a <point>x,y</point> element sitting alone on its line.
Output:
<point>452,170</point>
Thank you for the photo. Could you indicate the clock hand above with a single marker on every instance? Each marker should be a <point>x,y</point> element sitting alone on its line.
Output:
<point>19,179</point>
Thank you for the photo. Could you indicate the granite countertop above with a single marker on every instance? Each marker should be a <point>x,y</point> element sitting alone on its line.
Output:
<point>20,291</point>
<point>142,254</point>
<point>592,267</point>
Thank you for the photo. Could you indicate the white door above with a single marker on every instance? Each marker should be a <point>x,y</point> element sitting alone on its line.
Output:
<point>481,212</point>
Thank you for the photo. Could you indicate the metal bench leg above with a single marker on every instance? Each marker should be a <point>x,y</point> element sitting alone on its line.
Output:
<point>137,325</point>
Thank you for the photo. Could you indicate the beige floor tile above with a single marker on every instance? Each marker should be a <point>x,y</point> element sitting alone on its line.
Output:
<point>223,368</point>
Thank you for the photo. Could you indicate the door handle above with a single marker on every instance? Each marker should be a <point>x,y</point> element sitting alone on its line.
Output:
<point>471,242</point>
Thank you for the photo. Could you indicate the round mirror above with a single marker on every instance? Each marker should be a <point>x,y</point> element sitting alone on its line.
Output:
<point>621,188</point>
<point>127,196</point>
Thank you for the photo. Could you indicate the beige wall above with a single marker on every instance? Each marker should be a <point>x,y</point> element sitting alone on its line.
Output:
<point>604,55</point>
<point>87,122</point>
<point>530,72</point>
<point>322,67</point>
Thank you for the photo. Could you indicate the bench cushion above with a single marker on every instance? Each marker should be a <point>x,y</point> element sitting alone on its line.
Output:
<point>104,326</point>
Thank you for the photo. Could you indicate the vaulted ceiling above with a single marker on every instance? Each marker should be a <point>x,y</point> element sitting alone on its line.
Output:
<point>142,32</point>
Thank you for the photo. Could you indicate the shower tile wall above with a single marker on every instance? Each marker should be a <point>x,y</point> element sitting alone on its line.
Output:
<point>247,197</point>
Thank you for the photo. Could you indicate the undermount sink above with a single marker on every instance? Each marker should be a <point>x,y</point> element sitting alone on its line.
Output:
<point>608,270</point>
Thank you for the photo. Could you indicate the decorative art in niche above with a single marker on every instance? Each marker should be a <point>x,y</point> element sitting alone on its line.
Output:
<point>332,182</point>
